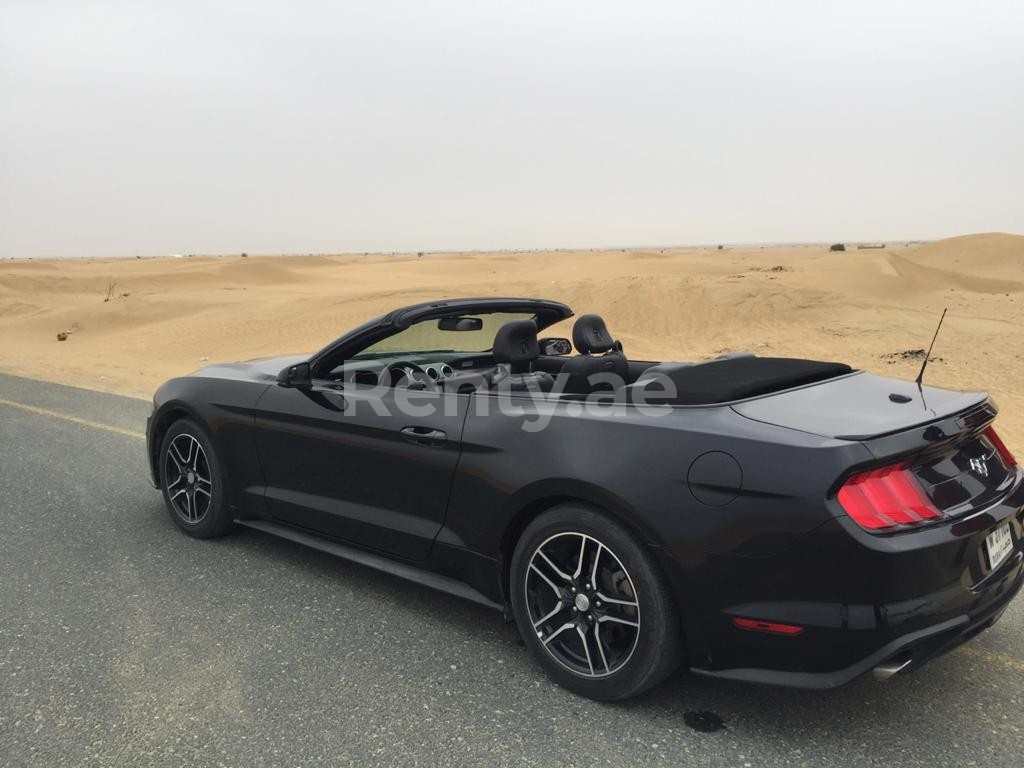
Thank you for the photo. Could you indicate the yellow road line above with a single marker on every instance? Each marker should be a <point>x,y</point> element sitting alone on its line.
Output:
<point>993,657</point>
<point>74,419</point>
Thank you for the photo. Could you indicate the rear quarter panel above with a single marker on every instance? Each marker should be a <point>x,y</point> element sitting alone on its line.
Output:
<point>637,466</point>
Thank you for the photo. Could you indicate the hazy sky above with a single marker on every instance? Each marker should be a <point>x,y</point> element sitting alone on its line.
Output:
<point>177,127</point>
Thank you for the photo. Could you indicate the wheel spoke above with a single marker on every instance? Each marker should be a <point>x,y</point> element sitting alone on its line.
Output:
<point>617,620</point>
<point>195,452</point>
<point>597,559</point>
<point>600,647</point>
<point>619,611</point>
<point>544,576</point>
<point>616,601</point>
<point>178,458</point>
<point>551,614</point>
<point>579,563</point>
<point>174,459</point>
<point>561,574</point>
<point>586,648</point>
<point>557,632</point>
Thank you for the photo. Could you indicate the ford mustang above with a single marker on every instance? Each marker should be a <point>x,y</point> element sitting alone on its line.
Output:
<point>772,520</point>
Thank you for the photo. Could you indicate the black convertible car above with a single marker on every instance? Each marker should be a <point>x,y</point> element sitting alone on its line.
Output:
<point>765,519</point>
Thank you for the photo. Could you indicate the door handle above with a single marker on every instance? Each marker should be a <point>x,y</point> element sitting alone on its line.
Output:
<point>424,435</point>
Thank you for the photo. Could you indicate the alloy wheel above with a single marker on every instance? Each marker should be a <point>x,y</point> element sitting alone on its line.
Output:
<point>187,477</point>
<point>582,604</point>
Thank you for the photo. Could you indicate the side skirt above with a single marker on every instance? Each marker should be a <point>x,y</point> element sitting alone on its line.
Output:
<point>378,562</point>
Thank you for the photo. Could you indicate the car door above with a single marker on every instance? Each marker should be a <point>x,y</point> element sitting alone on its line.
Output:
<point>365,464</point>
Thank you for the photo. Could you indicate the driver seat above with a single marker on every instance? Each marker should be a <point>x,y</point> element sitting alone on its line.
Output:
<point>515,349</point>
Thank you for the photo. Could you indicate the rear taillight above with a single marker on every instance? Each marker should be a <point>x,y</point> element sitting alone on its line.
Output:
<point>885,498</point>
<point>1004,453</point>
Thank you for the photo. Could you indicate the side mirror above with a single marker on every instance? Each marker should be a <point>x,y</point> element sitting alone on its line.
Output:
<point>297,375</point>
<point>555,347</point>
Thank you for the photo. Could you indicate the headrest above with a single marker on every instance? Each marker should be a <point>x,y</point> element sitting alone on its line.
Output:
<point>589,334</point>
<point>516,342</point>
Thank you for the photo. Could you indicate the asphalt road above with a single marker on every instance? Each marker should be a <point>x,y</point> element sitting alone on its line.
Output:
<point>123,642</point>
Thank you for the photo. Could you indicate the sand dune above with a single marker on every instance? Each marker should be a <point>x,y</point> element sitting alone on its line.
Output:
<point>991,255</point>
<point>167,316</point>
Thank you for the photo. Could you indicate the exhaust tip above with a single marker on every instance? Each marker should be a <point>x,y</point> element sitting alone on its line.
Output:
<point>893,665</point>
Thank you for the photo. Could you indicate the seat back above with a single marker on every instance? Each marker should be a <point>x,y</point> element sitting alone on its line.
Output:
<point>599,353</point>
<point>515,345</point>
<point>515,349</point>
<point>590,335</point>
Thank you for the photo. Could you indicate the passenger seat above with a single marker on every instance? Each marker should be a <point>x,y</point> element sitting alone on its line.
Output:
<point>598,354</point>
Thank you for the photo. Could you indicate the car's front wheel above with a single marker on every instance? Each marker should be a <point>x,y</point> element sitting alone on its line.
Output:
<point>591,604</point>
<point>191,481</point>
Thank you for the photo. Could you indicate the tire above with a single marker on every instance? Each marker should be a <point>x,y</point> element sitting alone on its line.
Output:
<point>192,481</point>
<point>607,640</point>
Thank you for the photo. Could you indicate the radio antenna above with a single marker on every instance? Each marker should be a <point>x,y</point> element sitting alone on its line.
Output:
<point>928,354</point>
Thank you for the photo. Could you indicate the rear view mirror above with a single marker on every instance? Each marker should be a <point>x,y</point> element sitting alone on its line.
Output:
<point>555,347</point>
<point>297,375</point>
<point>460,324</point>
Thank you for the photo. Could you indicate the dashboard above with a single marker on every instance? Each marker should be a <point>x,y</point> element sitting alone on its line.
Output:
<point>426,368</point>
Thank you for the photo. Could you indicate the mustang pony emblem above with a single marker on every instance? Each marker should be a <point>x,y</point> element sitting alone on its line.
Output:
<point>979,466</point>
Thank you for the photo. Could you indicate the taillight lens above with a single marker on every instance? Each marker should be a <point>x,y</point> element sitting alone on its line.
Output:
<point>1004,453</point>
<point>885,498</point>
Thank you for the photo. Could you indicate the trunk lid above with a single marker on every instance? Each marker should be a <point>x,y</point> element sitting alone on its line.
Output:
<point>858,407</point>
<point>943,437</point>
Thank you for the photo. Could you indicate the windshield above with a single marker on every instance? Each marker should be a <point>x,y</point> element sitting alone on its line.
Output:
<point>429,336</point>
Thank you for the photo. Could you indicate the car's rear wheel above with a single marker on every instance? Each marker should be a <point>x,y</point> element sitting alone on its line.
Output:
<point>591,604</point>
<point>191,481</point>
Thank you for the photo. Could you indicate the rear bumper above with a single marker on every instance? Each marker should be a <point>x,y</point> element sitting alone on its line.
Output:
<point>905,653</point>
<point>862,601</point>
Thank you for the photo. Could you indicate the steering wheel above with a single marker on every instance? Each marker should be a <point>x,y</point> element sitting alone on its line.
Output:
<point>417,378</point>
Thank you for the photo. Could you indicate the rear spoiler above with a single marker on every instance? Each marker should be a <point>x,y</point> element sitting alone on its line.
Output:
<point>961,423</point>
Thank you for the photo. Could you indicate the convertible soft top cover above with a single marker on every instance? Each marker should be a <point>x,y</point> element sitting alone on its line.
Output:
<point>722,381</point>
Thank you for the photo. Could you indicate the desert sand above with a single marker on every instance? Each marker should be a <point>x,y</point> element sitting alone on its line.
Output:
<point>168,316</point>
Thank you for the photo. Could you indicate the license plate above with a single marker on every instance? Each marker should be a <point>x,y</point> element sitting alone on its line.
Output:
<point>998,544</point>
